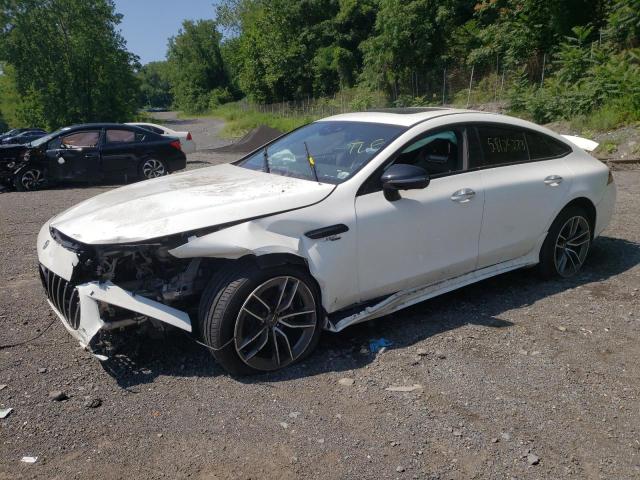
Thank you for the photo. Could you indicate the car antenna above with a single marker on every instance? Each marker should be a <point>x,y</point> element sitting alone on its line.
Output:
<point>312,162</point>
<point>265,157</point>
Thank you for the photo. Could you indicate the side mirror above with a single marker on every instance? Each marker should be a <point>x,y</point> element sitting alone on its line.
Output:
<point>403,177</point>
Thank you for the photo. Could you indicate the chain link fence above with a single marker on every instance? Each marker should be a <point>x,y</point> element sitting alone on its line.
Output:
<point>482,87</point>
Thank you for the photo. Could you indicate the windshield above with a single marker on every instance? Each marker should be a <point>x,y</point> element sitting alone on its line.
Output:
<point>46,138</point>
<point>338,150</point>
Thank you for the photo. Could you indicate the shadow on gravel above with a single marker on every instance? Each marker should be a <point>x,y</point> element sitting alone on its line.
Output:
<point>478,304</point>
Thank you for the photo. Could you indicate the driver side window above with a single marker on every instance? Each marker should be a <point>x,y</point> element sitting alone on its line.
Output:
<point>439,153</point>
<point>88,138</point>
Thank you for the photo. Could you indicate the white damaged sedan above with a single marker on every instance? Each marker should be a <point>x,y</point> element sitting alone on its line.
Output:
<point>347,219</point>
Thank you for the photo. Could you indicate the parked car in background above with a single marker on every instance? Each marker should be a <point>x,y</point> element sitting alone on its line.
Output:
<point>344,220</point>
<point>24,137</point>
<point>188,145</point>
<point>17,131</point>
<point>90,153</point>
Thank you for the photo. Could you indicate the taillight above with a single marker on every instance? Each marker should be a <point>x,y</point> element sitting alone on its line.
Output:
<point>610,179</point>
<point>189,137</point>
<point>176,144</point>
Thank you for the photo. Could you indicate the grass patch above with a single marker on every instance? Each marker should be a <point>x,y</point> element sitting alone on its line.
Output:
<point>606,118</point>
<point>240,121</point>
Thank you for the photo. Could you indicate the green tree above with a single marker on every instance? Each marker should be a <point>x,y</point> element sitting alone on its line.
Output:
<point>155,85</point>
<point>71,65</point>
<point>195,65</point>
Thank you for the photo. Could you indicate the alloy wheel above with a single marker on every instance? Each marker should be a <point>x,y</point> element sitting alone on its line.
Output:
<point>572,246</point>
<point>32,179</point>
<point>275,324</point>
<point>153,168</point>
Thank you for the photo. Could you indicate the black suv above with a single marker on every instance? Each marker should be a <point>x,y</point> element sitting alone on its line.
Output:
<point>17,131</point>
<point>23,137</point>
<point>90,153</point>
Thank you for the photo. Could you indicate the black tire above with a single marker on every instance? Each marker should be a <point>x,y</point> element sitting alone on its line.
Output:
<point>152,168</point>
<point>29,179</point>
<point>225,296</point>
<point>554,248</point>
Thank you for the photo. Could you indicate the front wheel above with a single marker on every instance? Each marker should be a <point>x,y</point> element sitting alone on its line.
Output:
<point>567,244</point>
<point>152,168</point>
<point>29,179</point>
<point>260,320</point>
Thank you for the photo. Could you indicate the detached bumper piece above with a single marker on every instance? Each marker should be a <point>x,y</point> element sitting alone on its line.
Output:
<point>79,307</point>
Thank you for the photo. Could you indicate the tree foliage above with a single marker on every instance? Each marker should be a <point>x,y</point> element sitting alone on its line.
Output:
<point>195,65</point>
<point>155,85</point>
<point>69,62</point>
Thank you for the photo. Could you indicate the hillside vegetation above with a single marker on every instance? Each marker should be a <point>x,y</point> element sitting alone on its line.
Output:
<point>547,60</point>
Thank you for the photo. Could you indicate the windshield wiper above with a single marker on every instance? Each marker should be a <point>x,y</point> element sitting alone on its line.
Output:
<point>312,162</point>
<point>265,157</point>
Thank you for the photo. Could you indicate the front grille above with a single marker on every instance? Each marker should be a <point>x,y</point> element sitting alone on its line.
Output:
<point>63,294</point>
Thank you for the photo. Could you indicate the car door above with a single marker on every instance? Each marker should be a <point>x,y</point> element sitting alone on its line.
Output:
<point>525,182</point>
<point>75,156</point>
<point>428,235</point>
<point>121,153</point>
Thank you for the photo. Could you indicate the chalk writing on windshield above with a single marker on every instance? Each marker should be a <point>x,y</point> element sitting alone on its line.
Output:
<point>358,146</point>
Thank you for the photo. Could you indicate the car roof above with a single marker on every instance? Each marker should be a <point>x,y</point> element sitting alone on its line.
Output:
<point>97,125</point>
<point>410,117</point>
<point>397,116</point>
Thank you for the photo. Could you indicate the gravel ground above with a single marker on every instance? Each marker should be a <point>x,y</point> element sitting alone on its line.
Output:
<point>514,378</point>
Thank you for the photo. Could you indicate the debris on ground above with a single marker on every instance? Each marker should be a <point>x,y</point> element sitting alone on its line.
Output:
<point>58,395</point>
<point>378,344</point>
<point>404,388</point>
<point>92,402</point>
<point>533,459</point>
<point>347,382</point>
<point>5,412</point>
<point>29,459</point>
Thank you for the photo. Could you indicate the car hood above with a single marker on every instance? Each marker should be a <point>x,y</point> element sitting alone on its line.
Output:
<point>183,202</point>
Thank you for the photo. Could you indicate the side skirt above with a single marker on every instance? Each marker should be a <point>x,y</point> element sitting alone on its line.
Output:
<point>406,298</point>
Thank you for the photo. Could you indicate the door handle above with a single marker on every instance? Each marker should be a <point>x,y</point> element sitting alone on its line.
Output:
<point>91,155</point>
<point>553,180</point>
<point>463,196</point>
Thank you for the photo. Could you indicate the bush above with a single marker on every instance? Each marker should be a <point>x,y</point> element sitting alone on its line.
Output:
<point>219,96</point>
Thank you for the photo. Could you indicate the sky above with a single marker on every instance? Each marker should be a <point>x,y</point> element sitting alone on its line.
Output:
<point>148,24</point>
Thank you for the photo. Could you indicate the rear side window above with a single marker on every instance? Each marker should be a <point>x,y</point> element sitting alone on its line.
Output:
<point>125,136</point>
<point>87,138</point>
<point>501,146</point>
<point>493,146</point>
<point>542,146</point>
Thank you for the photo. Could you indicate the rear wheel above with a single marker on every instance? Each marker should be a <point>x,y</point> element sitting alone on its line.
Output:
<point>260,320</point>
<point>152,168</point>
<point>567,244</point>
<point>29,179</point>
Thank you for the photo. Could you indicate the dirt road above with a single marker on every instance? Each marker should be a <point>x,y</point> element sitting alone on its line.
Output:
<point>516,378</point>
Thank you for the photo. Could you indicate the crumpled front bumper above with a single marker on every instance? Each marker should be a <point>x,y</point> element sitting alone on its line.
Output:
<point>77,306</point>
